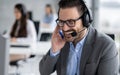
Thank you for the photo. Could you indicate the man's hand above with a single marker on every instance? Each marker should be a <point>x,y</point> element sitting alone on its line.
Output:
<point>57,41</point>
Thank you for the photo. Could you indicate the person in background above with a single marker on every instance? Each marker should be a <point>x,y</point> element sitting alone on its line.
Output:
<point>23,29</point>
<point>49,18</point>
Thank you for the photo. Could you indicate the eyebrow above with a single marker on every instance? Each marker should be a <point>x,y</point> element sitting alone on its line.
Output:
<point>67,19</point>
<point>72,19</point>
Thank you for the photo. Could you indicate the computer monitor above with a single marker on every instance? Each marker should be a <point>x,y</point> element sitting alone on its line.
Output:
<point>4,55</point>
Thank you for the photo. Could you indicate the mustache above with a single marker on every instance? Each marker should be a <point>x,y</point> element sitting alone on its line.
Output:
<point>71,30</point>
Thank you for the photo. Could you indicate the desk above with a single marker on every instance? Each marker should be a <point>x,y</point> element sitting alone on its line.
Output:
<point>20,51</point>
<point>40,49</point>
<point>46,30</point>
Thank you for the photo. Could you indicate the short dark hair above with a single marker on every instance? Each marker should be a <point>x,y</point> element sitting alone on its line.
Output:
<point>79,4</point>
<point>48,5</point>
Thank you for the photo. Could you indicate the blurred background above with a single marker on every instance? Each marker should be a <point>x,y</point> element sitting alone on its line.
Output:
<point>42,14</point>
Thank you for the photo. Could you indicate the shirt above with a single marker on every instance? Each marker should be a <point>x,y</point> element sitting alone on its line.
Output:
<point>73,62</point>
<point>73,65</point>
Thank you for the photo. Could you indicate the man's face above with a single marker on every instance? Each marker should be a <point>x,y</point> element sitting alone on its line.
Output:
<point>67,14</point>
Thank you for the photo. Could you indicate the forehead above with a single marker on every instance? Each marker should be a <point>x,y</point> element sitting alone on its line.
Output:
<point>68,13</point>
<point>16,10</point>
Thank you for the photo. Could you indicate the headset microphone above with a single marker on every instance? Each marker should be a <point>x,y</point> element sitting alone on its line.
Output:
<point>74,33</point>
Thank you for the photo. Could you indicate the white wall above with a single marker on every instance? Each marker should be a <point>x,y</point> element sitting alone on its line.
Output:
<point>7,10</point>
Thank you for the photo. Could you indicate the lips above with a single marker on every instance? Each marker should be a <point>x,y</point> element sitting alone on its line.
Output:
<point>68,34</point>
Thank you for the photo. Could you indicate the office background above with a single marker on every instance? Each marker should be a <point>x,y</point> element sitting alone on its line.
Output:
<point>7,10</point>
<point>105,13</point>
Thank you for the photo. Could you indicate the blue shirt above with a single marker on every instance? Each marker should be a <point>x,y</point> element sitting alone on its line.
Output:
<point>48,18</point>
<point>73,66</point>
<point>73,62</point>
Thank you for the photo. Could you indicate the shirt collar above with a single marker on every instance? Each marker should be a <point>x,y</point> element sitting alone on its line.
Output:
<point>80,43</point>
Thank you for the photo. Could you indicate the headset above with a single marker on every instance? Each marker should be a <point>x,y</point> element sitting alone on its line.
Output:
<point>24,11</point>
<point>87,16</point>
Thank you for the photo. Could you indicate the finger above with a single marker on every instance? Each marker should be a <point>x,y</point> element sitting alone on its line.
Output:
<point>57,29</point>
<point>55,35</point>
<point>60,38</point>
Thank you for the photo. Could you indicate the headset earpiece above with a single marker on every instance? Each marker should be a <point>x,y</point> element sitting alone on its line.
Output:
<point>87,16</point>
<point>24,11</point>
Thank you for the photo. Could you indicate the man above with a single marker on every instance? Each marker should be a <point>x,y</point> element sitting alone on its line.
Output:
<point>81,50</point>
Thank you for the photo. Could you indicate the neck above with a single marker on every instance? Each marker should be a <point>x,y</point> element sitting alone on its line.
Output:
<point>48,14</point>
<point>79,37</point>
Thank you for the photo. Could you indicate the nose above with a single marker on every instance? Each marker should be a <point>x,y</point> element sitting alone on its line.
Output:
<point>65,27</point>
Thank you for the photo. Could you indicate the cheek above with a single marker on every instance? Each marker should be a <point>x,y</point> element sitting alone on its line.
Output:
<point>79,25</point>
<point>18,15</point>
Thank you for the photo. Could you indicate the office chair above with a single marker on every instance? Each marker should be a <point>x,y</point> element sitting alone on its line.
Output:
<point>112,36</point>
<point>37,26</point>
<point>45,36</point>
<point>30,15</point>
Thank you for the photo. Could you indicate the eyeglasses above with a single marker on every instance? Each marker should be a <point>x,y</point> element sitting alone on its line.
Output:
<point>70,22</point>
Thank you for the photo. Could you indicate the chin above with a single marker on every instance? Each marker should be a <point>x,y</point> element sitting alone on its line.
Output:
<point>69,39</point>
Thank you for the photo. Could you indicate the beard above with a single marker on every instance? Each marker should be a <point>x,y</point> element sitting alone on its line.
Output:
<point>67,35</point>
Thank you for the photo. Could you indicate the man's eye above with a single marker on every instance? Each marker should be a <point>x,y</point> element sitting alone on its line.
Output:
<point>71,22</point>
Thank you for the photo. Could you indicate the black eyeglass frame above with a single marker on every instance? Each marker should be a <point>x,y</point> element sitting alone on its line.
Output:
<point>68,22</point>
